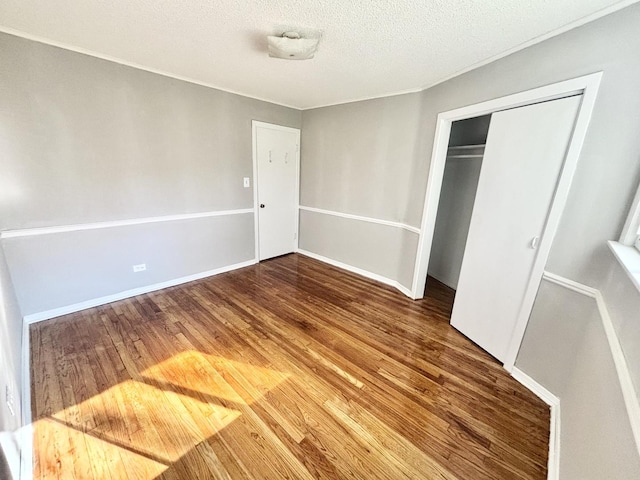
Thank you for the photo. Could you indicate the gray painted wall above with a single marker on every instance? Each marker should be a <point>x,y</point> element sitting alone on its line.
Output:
<point>10,348</point>
<point>566,350</point>
<point>350,242</point>
<point>356,158</point>
<point>84,140</point>
<point>87,140</point>
<point>53,271</point>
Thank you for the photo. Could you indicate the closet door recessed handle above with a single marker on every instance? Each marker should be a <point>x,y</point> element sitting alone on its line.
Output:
<point>535,241</point>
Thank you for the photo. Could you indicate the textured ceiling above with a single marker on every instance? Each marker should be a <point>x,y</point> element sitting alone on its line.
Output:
<point>369,48</point>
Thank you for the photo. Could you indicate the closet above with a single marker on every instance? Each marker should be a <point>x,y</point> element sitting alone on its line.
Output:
<point>523,160</point>
<point>500,179</point>
<point>459,184</point>
<point>496,191</point>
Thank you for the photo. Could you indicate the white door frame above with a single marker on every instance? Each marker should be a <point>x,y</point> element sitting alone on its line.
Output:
<point>588,86</point>
<point>256,224</point>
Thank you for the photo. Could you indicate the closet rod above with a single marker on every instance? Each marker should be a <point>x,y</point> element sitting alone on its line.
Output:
<point>465,156</point>
<point>480,145</point>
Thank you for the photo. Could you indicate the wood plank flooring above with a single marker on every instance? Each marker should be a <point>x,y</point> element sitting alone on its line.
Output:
<point>289,369</point>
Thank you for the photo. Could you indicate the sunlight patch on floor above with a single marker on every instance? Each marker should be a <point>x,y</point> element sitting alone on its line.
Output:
<point>142,426</point>
<point>153,422</point>
<point>213,376</point>
<point>64,452</point>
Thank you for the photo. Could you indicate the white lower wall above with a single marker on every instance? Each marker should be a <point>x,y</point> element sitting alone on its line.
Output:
<point>53,271</point>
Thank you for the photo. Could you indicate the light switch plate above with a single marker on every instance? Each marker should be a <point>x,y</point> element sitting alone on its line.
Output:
<point>247,182</point>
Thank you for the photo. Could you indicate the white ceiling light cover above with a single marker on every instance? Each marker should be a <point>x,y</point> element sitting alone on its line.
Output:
<point>291,46</point>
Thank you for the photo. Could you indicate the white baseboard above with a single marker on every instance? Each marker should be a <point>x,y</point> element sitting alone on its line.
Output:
<point>553,466</point>
<point>76,307</point>
<point>541,392</point>
<point>359,271</point>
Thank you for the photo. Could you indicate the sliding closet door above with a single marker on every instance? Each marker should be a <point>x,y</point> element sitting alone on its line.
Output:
<point>523,159</point>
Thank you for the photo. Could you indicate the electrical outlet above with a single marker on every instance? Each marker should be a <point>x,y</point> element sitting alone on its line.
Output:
<point>9,397</point>
<point>139,268</point>
<point>246,182</point>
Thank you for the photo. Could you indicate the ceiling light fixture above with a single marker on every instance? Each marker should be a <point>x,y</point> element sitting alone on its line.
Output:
<point>291,46</point>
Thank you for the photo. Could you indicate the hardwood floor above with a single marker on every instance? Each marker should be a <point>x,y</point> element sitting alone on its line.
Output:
<point>287,369</point>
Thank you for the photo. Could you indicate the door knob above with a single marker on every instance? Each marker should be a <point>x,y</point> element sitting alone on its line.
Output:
<point>262,205</point>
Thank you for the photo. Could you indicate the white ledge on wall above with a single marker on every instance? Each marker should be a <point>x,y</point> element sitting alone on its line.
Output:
<point>351,216</point>
<point>27,232</point>
<point>629,258</point>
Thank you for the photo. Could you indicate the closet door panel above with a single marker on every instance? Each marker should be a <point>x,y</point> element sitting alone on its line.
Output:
<point>523,159</point>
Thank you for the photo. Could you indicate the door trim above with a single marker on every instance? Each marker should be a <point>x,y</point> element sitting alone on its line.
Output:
<point>256,224</point>
<point>588,86</point>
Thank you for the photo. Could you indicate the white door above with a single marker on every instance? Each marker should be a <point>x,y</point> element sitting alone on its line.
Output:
<point>523,159</point>
<point>277,158</point>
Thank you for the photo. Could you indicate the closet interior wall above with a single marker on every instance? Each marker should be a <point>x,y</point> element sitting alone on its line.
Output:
<point>459,184</point>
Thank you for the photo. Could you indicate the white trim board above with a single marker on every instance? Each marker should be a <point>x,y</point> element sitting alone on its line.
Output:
<point>358,271</point>
<point>588,86</point>
<point>76,307</point>
<point>631,401</point>
<point>361,218</point>
<point>553,463</point>
<point>28,232</point>
<point>570,284</point>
